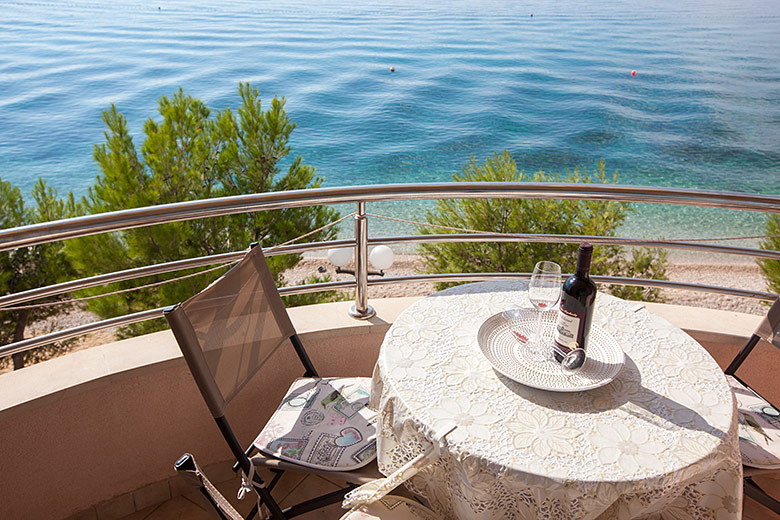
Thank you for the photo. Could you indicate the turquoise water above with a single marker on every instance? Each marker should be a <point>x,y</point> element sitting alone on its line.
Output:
<point>471,78</point>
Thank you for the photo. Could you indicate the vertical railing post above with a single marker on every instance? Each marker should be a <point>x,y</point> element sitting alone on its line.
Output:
<point>361,310</point>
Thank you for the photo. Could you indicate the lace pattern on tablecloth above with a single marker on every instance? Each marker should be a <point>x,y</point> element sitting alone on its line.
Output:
<point>451,483</point>
<point>661,437</point>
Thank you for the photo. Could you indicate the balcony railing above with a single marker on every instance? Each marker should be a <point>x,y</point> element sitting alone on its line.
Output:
<point>26,236</point>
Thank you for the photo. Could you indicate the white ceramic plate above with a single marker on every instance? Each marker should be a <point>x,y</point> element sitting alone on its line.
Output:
<point>509,356</point>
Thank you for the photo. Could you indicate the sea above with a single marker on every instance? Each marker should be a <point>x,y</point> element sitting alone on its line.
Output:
<point>668,93</point>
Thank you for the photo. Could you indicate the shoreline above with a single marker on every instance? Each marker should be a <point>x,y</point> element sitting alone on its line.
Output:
<point>739,272</point>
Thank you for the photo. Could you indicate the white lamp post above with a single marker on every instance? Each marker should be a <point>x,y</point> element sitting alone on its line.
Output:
<point>341,256</point>
<point>381,257</point>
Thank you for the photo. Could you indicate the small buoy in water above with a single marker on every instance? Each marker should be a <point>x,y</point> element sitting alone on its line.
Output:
<point>633,73</point>
<point>532,15</point>
<point>392,69</point>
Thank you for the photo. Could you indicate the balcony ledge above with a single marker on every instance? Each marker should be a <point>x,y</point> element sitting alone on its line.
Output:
<point>102,427</point>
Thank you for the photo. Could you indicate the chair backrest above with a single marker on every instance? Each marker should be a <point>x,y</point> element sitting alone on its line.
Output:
<point>768,330</point>
<point>231,328</point>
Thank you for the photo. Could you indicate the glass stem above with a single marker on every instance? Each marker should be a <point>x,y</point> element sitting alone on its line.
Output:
<point>538,337</point>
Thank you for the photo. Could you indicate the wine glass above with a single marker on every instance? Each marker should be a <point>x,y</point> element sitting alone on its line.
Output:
<point>544,291</point>
<point>571,361</point>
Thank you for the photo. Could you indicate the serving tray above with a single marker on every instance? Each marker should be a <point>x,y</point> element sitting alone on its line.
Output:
<point>511,357</point>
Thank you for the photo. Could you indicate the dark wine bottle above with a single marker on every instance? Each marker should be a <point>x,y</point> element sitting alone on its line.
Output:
<point>576,310</point>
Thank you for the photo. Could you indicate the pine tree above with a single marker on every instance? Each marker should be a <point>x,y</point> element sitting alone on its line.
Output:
<point>30,267</point>
<point>535,216</point>
<point>188,154</point>
<point>770,267</point>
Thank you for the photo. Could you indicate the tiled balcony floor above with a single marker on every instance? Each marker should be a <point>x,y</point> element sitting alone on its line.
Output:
<point>305,486</point>
<point>291,489</point>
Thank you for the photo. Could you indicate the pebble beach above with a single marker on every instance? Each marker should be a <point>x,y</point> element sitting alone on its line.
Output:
<point>738,273</point>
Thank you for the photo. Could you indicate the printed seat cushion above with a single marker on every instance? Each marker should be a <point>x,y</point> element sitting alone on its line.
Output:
<point>391,507</point>
<point>759,428</point>
<point>324,424</point>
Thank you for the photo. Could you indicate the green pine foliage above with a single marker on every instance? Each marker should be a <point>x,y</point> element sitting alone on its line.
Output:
<point>537,216</point>
<point>771,268</point>
<point>30,267</point>
<point>190,153</point>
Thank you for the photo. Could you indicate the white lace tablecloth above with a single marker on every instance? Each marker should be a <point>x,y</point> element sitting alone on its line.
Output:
<point>660,441</point>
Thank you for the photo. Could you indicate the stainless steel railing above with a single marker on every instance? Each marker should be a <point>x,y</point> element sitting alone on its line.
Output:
<point>139,217</point>
<point>180,211</point>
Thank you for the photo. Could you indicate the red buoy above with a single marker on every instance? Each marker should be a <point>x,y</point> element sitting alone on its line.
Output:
<point>392,69</point>
<point>633,73</point>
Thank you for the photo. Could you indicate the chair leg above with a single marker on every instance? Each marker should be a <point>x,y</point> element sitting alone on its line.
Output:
<point>267,500</point>
<point>755,492</point>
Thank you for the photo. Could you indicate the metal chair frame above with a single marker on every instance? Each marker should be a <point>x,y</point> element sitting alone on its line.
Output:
<point>751,488</point>
<point>242,455</point>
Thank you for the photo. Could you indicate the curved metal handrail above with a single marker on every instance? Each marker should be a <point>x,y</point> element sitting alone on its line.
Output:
<point>149,270</point>
<point>576,239</point>
<point>180,211</point>
<point>202,261</point>
<point>62,335</point>
<point>139,217</point>
<point>128,319</point>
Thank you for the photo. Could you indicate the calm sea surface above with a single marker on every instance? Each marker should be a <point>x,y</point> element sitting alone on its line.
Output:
<point>471,78</point>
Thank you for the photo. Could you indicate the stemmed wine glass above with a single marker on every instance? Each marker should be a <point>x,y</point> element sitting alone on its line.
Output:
<point>571,361</point>
<point>544,291</point>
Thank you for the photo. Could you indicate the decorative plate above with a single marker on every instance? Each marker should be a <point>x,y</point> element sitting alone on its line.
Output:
<point>499,340</point>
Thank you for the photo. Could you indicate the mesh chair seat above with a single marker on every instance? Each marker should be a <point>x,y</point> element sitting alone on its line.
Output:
<point>759,428</point>
<point>323,423</point>
<point>227,333</point>
<point>359,476</point>
<point>392,507</point>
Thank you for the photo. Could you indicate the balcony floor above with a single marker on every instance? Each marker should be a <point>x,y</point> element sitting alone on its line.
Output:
<point>302,487</point>
<point>292,488</point>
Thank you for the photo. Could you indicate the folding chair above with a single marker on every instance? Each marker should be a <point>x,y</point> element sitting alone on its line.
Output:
<point>384,507</point>
<point>227,333</point>
<point>759,421</point>
<point>370,501</point>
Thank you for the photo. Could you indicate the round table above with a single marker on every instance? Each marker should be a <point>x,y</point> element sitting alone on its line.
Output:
<point>661,437</point>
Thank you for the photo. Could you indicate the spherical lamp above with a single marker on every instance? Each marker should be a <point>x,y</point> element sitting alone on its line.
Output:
<point>340,257</point>
<point>381,257</point>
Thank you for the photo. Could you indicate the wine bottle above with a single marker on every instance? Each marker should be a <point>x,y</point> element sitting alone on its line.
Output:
<point>575,312</point>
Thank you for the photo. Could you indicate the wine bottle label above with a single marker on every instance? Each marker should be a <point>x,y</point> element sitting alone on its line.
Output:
<point>567,328</point>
